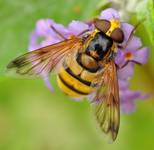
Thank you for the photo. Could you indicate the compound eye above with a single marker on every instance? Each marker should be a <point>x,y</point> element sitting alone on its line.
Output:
<point>102,25</point>
<point>117,35</point>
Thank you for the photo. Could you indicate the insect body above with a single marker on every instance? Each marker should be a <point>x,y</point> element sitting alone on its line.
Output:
<point>79,70</point>
<point>87,67</point>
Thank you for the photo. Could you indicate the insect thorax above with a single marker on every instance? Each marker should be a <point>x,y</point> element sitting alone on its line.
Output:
<point>100,46</point>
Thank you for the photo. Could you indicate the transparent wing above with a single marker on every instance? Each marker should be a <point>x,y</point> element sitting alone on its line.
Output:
<point>44,60</point>
<point>107,108</point>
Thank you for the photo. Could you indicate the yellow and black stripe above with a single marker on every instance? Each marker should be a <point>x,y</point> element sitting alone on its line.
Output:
<point>74,79</point>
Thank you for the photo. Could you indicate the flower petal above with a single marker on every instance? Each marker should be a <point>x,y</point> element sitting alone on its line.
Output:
<point>49,40</point>
<point>120,58</point>
<point>128,98</point>
<point>128,107</point>
<point>109,14</point>
<point>131,95</point>
<point>43,27</point>
<point>76,27</point>
<point>126,72</point>
<point>77,99</point>
<point>127,29</point>
<point>48,83</point>
<point>33,44</point>
<point>123,84</point>
<point>60,28</point>
<point>141,55</point>
<point>134,44</point>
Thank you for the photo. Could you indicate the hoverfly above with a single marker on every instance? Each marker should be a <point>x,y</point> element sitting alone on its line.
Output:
<point>87,66</point>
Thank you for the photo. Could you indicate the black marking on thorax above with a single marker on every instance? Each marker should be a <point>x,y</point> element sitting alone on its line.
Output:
<point>101,45</point>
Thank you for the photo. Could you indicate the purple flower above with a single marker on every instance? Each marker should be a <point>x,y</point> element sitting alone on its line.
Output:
<point>109,14</point>
<point>128,98</point>
<point>127,51</point>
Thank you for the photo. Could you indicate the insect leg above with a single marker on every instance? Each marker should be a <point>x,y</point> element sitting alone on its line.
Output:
<point>132,32</point>
<point>57,32</point>
<point>83,32</point>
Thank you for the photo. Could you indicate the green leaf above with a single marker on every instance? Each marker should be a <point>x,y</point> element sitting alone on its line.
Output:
<point>150,19</point>
<point>145,10</point>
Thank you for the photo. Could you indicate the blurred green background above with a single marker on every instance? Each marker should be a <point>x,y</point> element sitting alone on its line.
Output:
<point>33,118</point>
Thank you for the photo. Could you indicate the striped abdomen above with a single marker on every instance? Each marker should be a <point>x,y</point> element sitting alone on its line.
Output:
<point>77,74</point>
